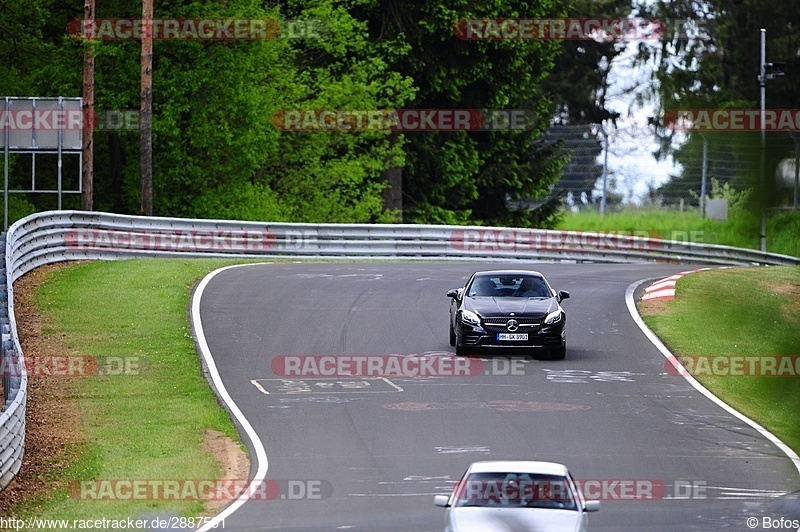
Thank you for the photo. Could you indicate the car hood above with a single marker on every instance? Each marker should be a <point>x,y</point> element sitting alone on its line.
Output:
<point>503,306</point>
<point>514,519</point>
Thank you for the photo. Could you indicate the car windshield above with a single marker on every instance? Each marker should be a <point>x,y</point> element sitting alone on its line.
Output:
<point>508,286</point>
<point>515,490</point>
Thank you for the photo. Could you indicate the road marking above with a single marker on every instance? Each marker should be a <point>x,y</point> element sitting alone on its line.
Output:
<point>326,386</point>
<point>260,388</point>
<point>580,376</point>
<point>480,449</point>
<point>262,463</point>
<point>499,405</point>
<point>745,493</point>
<point>317,399</point>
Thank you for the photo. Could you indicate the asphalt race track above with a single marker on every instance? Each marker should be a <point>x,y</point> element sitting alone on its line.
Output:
<point>373,452</point>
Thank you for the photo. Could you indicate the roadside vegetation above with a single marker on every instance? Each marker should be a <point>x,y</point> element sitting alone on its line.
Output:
<point>148,417</point>
<point>750,312</point>
<point>741,229</point>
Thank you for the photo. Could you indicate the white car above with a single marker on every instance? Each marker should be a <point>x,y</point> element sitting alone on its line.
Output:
<point>516,495</point>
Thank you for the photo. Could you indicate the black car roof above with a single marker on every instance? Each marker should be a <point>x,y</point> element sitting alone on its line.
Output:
<point>507,272</point>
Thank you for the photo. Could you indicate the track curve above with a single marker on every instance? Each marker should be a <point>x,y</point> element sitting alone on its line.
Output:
<point>380,450</point>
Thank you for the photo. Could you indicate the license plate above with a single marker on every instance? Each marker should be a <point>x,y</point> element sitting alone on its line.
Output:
<point>514,337</point>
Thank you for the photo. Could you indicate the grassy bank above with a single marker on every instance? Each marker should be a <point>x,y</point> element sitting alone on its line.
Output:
<point>740,312</point>
<point>741,230</point>
<point>147,418</point>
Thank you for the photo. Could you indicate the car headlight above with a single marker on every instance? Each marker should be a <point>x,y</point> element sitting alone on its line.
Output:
<point>470,317</point>
<point>553,318</point>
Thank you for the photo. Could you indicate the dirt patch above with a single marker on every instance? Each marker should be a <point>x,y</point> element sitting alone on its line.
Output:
<point>53,436</point>
<point>233,461</point>
<point>792,290</point>
<point>652,307</point>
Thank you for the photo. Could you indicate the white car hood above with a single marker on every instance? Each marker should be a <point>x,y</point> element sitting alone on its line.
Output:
<point>484,519</point>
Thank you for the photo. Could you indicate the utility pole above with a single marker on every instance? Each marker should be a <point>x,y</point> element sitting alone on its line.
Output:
<point>87,137</point>
<point>767,72</point>
<point>762,81</point>
<point>605,172</point>
<point>146,122</point>
<point>703,179</point>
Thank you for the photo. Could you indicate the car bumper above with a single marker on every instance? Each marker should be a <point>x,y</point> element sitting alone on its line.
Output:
<point>546,337</point>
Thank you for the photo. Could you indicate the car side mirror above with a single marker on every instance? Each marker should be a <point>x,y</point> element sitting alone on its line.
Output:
<point>562,295</point>
<point>441,500</point>
<point>454,293</point>
<point>592,506</point>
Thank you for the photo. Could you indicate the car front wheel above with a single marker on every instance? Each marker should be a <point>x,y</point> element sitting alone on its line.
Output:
<point>460,349</point>
<point>558,353</point>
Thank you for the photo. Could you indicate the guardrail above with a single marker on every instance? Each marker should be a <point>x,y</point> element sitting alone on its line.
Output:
<point>55,236</point>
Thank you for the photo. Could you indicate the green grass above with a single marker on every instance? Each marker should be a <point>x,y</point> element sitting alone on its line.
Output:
<point>147,425</point>
<point>744,312</point>
<point>741,230</point>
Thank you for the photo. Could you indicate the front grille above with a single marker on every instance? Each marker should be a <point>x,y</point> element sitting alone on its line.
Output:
<point>499,324</point>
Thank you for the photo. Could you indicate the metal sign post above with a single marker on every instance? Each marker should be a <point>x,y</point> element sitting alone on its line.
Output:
<point>5,165</point>
<point>41,126</point>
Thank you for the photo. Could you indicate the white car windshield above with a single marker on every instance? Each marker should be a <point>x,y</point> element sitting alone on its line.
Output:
<point>515,490</point>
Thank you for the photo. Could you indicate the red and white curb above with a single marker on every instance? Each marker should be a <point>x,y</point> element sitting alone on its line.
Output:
<point>637,318</point>
<point>664,290</point>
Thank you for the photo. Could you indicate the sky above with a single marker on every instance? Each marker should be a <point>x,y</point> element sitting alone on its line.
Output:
<point>631,146</point>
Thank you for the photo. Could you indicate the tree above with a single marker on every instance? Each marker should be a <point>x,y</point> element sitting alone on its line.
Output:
<point>216,153</point>
<point>710,61</point>
<point>579,86</point>
<point>492,177</point>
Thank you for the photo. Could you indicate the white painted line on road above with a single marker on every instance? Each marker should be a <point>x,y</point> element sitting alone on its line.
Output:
<point>465,449</point>
<point>423,478</point>
<point>390,383</point>
<point>260,388</point>
<point>422,382</point>
<point>637,318</point>
<point>261,455</point>
<point>325,386</point>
